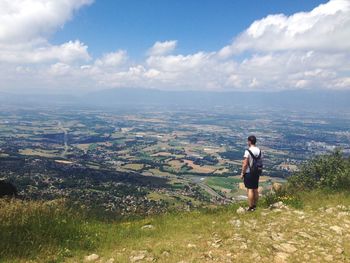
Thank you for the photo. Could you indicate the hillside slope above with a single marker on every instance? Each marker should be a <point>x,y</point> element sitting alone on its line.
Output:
<point>317,232</point>
<point>281,234</point>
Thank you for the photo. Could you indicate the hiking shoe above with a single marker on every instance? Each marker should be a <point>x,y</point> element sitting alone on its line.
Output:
<point>251,209</point>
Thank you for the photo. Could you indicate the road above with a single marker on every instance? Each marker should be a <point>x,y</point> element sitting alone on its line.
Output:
<point>65,139</point>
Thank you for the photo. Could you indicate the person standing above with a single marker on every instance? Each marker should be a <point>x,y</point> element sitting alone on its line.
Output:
<point>251,171</point>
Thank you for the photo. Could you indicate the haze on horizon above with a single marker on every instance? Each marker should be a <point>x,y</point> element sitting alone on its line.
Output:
<point>80,46</point>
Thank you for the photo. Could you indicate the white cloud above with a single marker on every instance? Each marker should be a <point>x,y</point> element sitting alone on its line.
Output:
<point>307,50</point>
<point>25,26</point>
<point>325,28</point>
<point>112,59</point>
<point>162,48</point>
<point>25,20</point>
<point>67,52</point>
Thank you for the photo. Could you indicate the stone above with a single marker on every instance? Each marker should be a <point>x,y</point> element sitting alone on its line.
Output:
<point>305,235</point>
<point>341,207</point>
<point>240,210</point>
<point>278,205</point>
<point>166,254</point>
<point>277,236</point>
<point>244,246</point>
<point>288,248</point>
<point>91,258</point>
<point>138,255</point>
<point>281,257</point>
<point>111,260</point>
<point>148,227</point>
<point>337,229</point>
<point>191,246</point>
<point>329,210</point>
<point>236,223</point>
<point>339,250</point>
<point>328,258</point>
<point>285,247</point>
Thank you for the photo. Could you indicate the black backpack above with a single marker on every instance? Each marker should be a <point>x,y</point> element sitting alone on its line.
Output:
<point>257,165</point>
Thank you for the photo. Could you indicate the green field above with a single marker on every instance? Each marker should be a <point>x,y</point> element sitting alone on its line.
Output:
<point>223,182</point>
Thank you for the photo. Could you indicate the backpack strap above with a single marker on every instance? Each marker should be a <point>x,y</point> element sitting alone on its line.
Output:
<point>253,156</point>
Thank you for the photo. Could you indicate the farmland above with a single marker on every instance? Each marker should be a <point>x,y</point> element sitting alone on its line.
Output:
<point>176,158</point>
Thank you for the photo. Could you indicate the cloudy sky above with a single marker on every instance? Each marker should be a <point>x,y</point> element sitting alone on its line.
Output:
<point>84,45</point>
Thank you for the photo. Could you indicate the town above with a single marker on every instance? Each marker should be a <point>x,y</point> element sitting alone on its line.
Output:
<point>149,160</point>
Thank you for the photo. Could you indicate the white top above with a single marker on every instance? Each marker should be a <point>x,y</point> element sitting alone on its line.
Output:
<point>256,151</point>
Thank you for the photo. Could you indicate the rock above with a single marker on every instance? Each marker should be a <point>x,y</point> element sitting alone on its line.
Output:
<point>339,250</point>
<point>244,246</point>
<point>191,246</point>
<point>166,254</point>
<point>328,258</point>
<point>240,210</point>
<point>215,245</point>
<point>288,248</point>
<point>329,210</point>
<point>148,227</point>
<point>299,212</point>
<point>138,255</point>
<point>91,258</point>
<point>285,247</point>
<point>341,207</point>
<point>305,235</point>
<point>278,205</point>
<point>136,258</point>
<point>343,214</point>
<point>111,260</point>
<point>337,229</point>
<point>277,236</point>
<point>281,257</point>
<point>236,223</point>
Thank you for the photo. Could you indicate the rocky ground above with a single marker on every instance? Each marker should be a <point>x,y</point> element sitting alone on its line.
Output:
<point>277,234</point>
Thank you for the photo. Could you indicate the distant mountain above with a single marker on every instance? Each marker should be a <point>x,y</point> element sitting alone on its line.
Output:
<point>292,100</point>
<point>326,100</point>
<point>39,99</point>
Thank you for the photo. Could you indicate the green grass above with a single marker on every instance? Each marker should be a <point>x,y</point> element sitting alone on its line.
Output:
<point>49,229</point>
<point>223,182</point>
<point>52,232</point>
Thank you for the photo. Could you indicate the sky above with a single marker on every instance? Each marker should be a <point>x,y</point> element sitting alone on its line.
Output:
<point>79,46</point>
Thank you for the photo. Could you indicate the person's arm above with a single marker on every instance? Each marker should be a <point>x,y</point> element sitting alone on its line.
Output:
<point>244,167</point>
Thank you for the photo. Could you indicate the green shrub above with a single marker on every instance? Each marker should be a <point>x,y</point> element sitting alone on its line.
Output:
<point>323,172</point>
<point>283,195</point>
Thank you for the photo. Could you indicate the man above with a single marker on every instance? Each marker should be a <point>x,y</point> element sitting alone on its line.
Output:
<point>251,171</point>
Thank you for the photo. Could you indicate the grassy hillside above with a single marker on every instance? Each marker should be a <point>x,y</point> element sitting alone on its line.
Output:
<point>50,232</point>
<point>302,225</point>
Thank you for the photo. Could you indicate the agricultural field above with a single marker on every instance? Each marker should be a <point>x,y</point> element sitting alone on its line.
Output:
<point>173,158</point>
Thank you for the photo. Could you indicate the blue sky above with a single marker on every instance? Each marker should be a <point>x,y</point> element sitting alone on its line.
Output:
<point>80,46</point>
<point>135,25</point>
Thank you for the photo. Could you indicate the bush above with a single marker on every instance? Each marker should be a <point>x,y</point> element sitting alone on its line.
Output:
<point>283,195</point>
<point>323,172</point>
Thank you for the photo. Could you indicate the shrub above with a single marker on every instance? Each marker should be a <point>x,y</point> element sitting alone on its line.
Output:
<point>283,195</point>
<point>323,172</point>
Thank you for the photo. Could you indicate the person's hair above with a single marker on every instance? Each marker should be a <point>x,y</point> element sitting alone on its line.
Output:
<point>252,139</point>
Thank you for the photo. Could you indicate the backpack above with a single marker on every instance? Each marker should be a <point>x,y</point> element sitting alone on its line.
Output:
<point>257,165</point>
